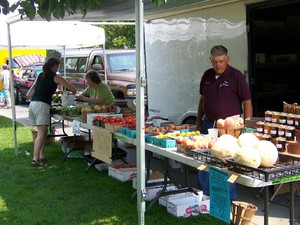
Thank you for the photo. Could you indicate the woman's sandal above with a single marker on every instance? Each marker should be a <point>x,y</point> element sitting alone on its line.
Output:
<point>44,160</point>
<point>36,163</point>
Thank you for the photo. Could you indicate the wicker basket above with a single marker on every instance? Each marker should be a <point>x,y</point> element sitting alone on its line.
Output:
<point>234,131</point>
<point>242,212</point>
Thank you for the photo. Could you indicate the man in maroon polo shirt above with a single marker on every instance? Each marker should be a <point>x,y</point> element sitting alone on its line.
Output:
<point>224,92</point>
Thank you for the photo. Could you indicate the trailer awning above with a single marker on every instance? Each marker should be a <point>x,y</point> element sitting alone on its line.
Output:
<point>26,60</point>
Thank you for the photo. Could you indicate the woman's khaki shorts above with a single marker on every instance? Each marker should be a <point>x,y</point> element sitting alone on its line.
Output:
<point>39,113</point>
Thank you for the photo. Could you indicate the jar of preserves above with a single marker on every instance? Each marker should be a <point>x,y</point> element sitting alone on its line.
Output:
<point>280,144</point>
<point>267,128</point>
<point>266,137</point>
<point>290,133</point>
<point>282,118</point>
<point>260,127</point>
<point>274,130</point>
<point>281,130</point>
<point>268,116</point>
<point>290,119</point>
<point>275,117</point>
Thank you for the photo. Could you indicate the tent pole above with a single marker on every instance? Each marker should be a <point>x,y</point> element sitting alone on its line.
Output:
<point>65,61</point>
<point>9,21</point>
<point>12,95</point>
<point>140,112</point>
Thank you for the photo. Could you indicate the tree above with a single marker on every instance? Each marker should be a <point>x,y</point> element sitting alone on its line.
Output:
<point>119,36</point>
<point>56,8</point>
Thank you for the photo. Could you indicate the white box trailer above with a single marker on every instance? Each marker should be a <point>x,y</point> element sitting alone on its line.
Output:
<point>177,54</point>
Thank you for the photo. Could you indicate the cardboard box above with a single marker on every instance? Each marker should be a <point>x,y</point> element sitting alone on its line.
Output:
<point>187,207</point>
<point>72,142</point>
<point>154,177</point>
<point>151,192</point>
<point>102,166</point>
<point>174,164</point>
<point>285,188</point>
<point>122,174</point>
<point>112,128</point>
<point>251,122</point>
<point>163,200</point>
<point>160,181</point>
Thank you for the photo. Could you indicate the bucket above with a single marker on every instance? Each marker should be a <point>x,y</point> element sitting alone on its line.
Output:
<point>242,212</point>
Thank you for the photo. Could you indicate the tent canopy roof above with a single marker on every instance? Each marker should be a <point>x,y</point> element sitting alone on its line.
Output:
<point>52,35</point>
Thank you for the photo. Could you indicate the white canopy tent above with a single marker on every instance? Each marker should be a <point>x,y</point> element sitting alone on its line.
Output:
<point>46,35</point>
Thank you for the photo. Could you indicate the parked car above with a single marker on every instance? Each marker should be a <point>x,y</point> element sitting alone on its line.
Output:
<point>24,80</point>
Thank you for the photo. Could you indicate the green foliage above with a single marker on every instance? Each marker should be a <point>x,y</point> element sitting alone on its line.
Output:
<point>119,36</point>
<point>63,193</point>
<point>56,8</point>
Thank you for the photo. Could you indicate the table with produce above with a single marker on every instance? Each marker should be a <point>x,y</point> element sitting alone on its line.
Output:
<point>262,155</point>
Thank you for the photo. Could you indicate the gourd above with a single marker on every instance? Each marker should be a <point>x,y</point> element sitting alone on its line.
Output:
<point>224,148</point>
<point>268,152</point>
<point>247,139</point>
<point>248,156</point>
<point>228,137</point>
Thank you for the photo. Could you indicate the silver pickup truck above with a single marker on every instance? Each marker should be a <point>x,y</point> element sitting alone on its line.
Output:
<point>117,67</point>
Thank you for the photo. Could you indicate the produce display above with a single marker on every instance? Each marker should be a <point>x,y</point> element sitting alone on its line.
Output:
<point>230,125</point>
<point>225,148</point>
<point>248,156</point>
<point>194,142</point>
<point>247,139</point>
<point>247,149</point>
<point>268,152</point>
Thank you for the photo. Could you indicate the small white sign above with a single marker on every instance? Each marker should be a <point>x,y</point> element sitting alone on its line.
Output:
<point>76,127</point>
<point>156,122</point>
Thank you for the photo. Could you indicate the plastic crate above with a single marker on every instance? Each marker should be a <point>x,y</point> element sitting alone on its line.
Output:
<point>168,143</point>
<point>131,133</point>
<point>123,130</point>
<point>148,138</point>
<point>156,141</point>
<point>184,130</point>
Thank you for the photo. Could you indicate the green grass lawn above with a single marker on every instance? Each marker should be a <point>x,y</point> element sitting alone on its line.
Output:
<point>62,193</point>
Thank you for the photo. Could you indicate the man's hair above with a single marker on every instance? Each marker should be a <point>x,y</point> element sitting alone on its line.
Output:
<point>218,50</point>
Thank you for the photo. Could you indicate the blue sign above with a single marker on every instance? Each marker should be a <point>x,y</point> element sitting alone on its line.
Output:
<point>219,194</point>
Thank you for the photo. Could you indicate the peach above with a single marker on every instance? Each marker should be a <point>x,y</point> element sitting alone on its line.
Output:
<point>179,139</point>
<point>220,123</point>
<point>228,122</point>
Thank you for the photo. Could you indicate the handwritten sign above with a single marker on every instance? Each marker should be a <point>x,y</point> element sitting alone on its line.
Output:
<point>219,194</point>
<point>102,145</point>
<point>76,127</point>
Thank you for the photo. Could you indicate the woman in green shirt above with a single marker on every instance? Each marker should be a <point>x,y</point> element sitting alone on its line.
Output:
<point>97,92</point>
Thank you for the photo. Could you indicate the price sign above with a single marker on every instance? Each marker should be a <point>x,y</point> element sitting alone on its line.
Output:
<point>219,194</point>
<point>76,127</point>
<point>156,122</point>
